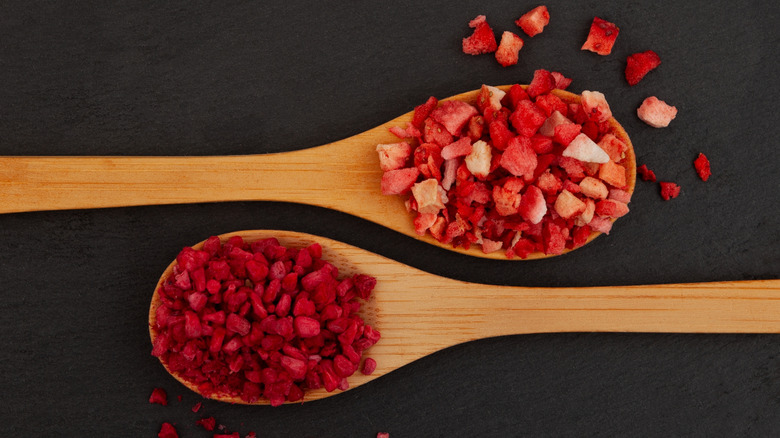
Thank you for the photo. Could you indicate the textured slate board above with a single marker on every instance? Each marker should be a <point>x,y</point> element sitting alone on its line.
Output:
<point>194,78</point>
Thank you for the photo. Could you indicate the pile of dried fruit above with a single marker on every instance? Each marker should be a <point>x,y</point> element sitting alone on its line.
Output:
<point>248,320</point>
<point>524,170</point>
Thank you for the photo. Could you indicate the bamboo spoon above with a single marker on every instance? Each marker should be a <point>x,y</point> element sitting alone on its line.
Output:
<point>419,313</point>
<point>343,176</point>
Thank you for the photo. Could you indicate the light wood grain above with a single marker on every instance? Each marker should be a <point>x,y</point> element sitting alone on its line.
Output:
<point>419,313</point>
<point>343,176</point>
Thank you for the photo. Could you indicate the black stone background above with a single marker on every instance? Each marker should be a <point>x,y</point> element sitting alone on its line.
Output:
<point>238,77</point>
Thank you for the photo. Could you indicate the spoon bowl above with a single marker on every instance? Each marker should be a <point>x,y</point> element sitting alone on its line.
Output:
<point>419,313</point>
<point>344,176</point>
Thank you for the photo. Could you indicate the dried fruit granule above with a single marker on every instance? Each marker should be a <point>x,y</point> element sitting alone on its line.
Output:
<point>702,166</point>
<point>208,423</point>
<point>382,435</point>
<point>645,173</point>
<point>639,64</point>
<point>167,431</point>
<point>669,190</point>
<point>601,37</point>
<point>159,396</point>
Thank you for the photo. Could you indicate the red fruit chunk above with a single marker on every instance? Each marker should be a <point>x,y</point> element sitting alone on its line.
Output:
<point>207,423</point>
<point>669,190</point>
<point>369,366</point>
<point>399,181</point>
<point>554,239</point>
<point>551,103</point>
<point>508,49</point>
<point>656,113</point>
<point>393,156</point>
<point>519,158</point>
<point>515,94</point>
<point>382,435</point>
<point>421,112</point>
<point>499,134</point>
<point>459,148</point>
<point>159,396</point>
<point>702,166</point>
<point>543,82</point>
<point>532,205</point>
<point>645,173</point>
<point>614,147</point>
<point>533,21</point>
<point>595,106</point>
<point>453,115</point>
<point>601,37</point>
<point>410,131</point>
<point>482,40</point>
<point>611,208</point>
<point>527,118</point>
<point>167,431</point>
<point>565,133</point>
<point>639,64</point>
<point>561,81</point>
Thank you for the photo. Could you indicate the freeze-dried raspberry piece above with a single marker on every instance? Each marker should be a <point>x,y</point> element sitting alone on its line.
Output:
<point>645,173</point>
<point>639,64</point>
<point>702,166</point>
<point>482,40</point>
<point>669,190</point>
<point>601,37</point>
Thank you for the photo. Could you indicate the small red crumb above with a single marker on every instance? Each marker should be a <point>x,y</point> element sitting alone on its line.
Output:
<point>159,396</point>
<point>251,435</point>
<point>167,431</point>
<point>227,435</point>
<point>383,435</point>
<point>669,190</point>
<point>207,423</point>
<point>197,407</point>
<point>178,397</point>
<point>645,173</point>
<point>639,64</point>
<point>702,165</point>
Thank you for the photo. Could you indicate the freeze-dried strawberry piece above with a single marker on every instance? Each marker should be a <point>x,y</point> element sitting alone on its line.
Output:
<point>428,195</point>
<point>159,396</point>
<point>453,115</point>
<point>508,49</point>
<point>489,98</point>
<point>613,146</point>
<point>554,239</point>
<point>410,131</point>
<point>584,149</point>
<point>534,21</point>
<point>542,82</point>
<point>434,132</point>
<point>167,431</point>
<point>645,173</point>
<point>702,166</point>
<point>482,40</point>
<point>527,118</point>
<point>613,174</point>
<point>499,134</point>
<point>567,205</point>
<point>595,106</point>
<point>669,190</point>
<point>565,133</point>
<point>459,148</point>
<point>393,156</point>
<point>479,160</point>
<point>611,208</point>
<point>639,64</point>
<point>561,81</point>
<point>399,181</point>
<point>551,103</point>
<point>656,113</point>
<point>422,111</point>
<point>369,366</point>
<point>382,435</point>
<point>555,119</point>
<point>601,37</point>
<point>532,205</point>
<point>593,188</point>
<point>515,94</point>
<point>519,158</point>
<point>208,423</point>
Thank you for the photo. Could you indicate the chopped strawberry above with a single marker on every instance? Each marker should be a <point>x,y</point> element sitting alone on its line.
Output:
<point>506,201</point>
<point>639,64</point>
<point>567,205</point>
<point>600,224</point>
<point>459,148</point>
<point>421,112</point>
<point>555,119</point>
<point>393,156</point>
<point>584,149</point>
<point>399,181</point>
<point>611,208</point>
<point>561,81</point>
<point>656,113</point>
<point>476,128</point>
<point>613,174</point>
<point>167,431</point>
<point>508,49</point>
<point>499,134</point>
<point>614,147</point>
<point>565,133</point>
<point>543,82</point>
<point>527,118</point>
<point>478,161</point>
<point>434,132</point>
<point>595,105</point>
<point>159,396</point>
<point>489,246</point>
<point>429,195</point>
<point>482,40</point>
<point>424,221</point>
<point>619,195</point>
<point>601,37</point>
<point>450,172</point>
<point>586,216</point>
<point>490,97</point>
<point>702,166</point>
<point>541,144</point>
<point>516,94</point>
<point>669,190</point>
<point>532,205</point>
<point>551,103</point>
<point>534,21</point>
<point>549,183</point>
<point>554,238</point>
<point>519,158</point>
<point>593,188</point>
<point>645,173</point>
<point>454,115</point>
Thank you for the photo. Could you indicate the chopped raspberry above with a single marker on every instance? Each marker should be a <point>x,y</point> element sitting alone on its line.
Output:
<point>639,64</point>
<point>601,37</point>
<point>508,49</point>
<point>159,396</point>
<point>167,431</point>
<point>702,166</point>
<point>669,190</point>
<point>645,173</point>
<point>534,21</point>
<point>482,40</point>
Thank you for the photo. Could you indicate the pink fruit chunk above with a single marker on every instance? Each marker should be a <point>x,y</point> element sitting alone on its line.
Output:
<point>613,174</point>
<point>482,40</point>
<point>454,115</point>
<point>509,49</point>
<point>543,82</point>
<point>567,205</point>
<point>399,181</point>
<point>459,148</point>
<point>593,188</point>
<point>640,64</point>
<point>534,21</point>
<point>532,205</point>
<point>561,81</point>
<point>519,158</point>
<point>584,149</point>
<point>555,119</point>
<point>656,113</point>
<point>595,106</point>
<point>393,156</point>
<point>159,396</point>
<point>428,195</point>
<point>601,37</point>
<point>611,208</point>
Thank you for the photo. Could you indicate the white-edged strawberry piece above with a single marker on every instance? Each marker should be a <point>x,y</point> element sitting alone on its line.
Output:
<point>555,119</point>
<point>584,149</point>
<point>586,216</point>
<point>393,156</point>
<point>519,158</point>
<point>567,205</point>
<point>593,188</point>
<point>459,148</point>
<point>613,146</point>
<point>533,207</point>
<point>508,49</point>
<point>611,208</point>
<point>489,246</point>
<point>561,81</point>
<point>534,21</point>
<point>478,161</point>
<point>490,98</point>
<point>482,40</point>
<point>600,224</point>
<point>595,105</point>
<point>601,37</point>
<point>454,115</point>
<point>423,222</point>
<point>656,113</point>
<point>399,181</point>
<point>429,195</point>
<point>506,201</point>
<point>410,131</point>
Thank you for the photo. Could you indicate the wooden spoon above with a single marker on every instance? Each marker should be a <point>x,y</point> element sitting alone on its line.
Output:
<point>419,313</point>
<point>343,176</point>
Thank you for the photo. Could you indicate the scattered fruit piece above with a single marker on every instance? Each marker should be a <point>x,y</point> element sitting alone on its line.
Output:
<point>639,64</point>
<point>601,37</point>
<point>669,190</point>
<point>208,423</point>
<point>702,166</point>
<point>656,113</point>
<point>482,40</point>
<point>645,173</point>
<point>534,21</point>
<point>508,49</point>
<point>159,396</point>
<point>167,431</point>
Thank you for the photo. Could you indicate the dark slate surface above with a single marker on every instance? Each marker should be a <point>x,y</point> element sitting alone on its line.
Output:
<point>196,78</point>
